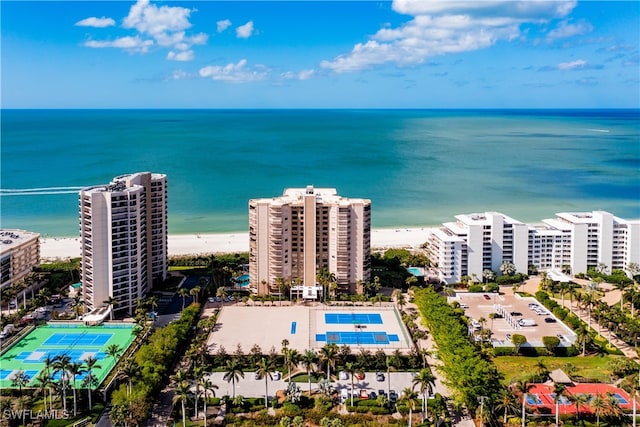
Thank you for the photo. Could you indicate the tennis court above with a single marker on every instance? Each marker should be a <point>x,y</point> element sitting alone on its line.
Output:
<point>357,338</point>
<point>541,395</point>
<point>353,319</point>
<point>76,341</point>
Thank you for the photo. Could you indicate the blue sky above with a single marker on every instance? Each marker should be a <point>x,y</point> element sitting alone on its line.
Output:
<point>323,54</point>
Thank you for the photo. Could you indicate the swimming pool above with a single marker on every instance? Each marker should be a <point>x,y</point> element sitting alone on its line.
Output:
<point>242,281</point>
<point>416,271</point>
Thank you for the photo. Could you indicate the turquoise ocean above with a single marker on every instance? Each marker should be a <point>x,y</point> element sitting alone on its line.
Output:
<point>418,167</point>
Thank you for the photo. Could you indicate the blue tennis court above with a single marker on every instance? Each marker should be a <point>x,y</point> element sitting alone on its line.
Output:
<point>5,374</point>
<point>620,399</point>
<point>79,339</point>
<point>534,399</point>
<point>362,338</point>
<point>77,355</point>
<point>353,319</point>
<point>563,400</point>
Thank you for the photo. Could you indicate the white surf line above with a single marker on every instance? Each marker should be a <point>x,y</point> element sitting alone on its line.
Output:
<point>38,191</point>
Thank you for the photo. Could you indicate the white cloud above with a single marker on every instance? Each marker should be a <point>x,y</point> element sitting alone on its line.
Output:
<point>245,31</point>
<point>131,44</point>
<point>185,55</point>
<point>96,22</point>
<point>163,26</point>
<point>441,27</point>
<point>233,73</point>
<point>302,75</point>
<point>223,25</point>
<point>178,75</point>
<point>578,64</point>
<point>566,30</point>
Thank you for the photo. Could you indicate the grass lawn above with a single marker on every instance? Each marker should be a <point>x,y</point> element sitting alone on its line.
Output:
<point>515,368</point>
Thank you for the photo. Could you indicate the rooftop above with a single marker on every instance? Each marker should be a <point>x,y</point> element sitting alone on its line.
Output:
<point>12,238</point>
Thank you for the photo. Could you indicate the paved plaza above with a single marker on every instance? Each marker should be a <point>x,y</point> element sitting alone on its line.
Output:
<point>309,327</point>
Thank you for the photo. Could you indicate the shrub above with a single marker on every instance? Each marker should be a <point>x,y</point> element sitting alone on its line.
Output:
<point>492,287</point>
<point>476,288</point>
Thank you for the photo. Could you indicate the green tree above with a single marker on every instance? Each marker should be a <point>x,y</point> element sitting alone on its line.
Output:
<point>233,372</point>
<point>114,351</point>
<point>507,403</point>
<point>207,386</point>
<point>44,380</point>
<point>184,293</point>
<point>559,390</point>
<point>328,354</point>
<point>550,343</point>
<point>265,369</point>
<point>410,398</point>
<point>110,302</point>
<point>425,381</point>
<point>580,400</point>
<point>352,369</point>
<point>129,371</point>
<point>61,365</point>
<point>75,369</point>
<point>518,341</point>
<point>182,394</point>
<point>599,407</point>
<point>20,379</point>
<point>308,360</point>
<point>194,292</point>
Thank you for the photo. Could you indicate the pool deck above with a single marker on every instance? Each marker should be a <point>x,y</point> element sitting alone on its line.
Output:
<point>269,326</point>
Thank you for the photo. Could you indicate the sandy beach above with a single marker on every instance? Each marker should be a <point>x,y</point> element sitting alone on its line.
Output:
<point>52,248</point>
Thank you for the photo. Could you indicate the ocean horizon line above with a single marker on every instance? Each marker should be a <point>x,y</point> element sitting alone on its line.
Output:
<point>470,109</point>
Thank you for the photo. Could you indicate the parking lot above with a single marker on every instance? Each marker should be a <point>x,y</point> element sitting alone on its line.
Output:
<point>249,386</point>
<point>513,314</point>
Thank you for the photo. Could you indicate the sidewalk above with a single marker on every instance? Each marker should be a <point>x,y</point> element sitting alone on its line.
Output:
<point>459,419</point>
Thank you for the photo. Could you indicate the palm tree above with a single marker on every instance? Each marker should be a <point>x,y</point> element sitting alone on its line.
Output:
<point>91,363</point>
<point>75,369</point>
<point>194,292</point>
<point>182,394</point>
<point>233,372</point>
<point>184,293</point>
<point>522,388</point>
<point>507,402</point>
<point>20,379</point>
<point>207,386</point>
<point>580,400</point>
<point>266,368</point>
<point>89,382</point>
<point>599,407</point>
<point>426,382</point>
<point>110,302</point>
<point>559,390</point>
<point>391,364</point>
<point>352,369</point>
<point>583,337</point>
<point>328,354</point>
<point>308,360</point>
<point>198,374</point>
<point>410,397</point>
<point>43,379</point>
<point>292,358</point>
<point>61,364</point>
<point>614,411</point>
<point>113,350</point>
<point>128,372</point>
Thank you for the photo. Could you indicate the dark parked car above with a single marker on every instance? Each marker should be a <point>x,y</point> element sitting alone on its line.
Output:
<point>393,396</point>
<point>379,376</point>
<point>550,320</point>
<point>515,313</point>
<point>381,392</point>
<point>487,297</point>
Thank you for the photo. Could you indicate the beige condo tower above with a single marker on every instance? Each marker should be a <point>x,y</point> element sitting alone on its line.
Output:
<point>294,236</point>
<point>123,235</point>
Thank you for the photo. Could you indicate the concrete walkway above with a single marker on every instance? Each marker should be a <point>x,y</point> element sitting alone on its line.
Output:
<point>459,419</point>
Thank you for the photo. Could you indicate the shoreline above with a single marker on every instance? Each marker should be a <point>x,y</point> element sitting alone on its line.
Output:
<point>52,248</point>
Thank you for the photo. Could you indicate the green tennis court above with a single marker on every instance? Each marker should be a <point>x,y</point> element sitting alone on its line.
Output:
<point>74,340</point>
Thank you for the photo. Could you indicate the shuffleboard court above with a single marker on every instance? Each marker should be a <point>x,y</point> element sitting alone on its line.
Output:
<point>76,341</point>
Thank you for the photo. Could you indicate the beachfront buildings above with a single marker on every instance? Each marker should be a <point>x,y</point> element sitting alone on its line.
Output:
<point>19,254</point>
<point>306,230</point>
<point>571,241</point>
<point>123,234</point>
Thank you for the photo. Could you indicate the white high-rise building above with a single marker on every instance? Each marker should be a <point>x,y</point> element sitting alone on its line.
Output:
<point>123,234</point>
<point>19,254</point>
<point>294,236</point>
<point>477,242</point>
